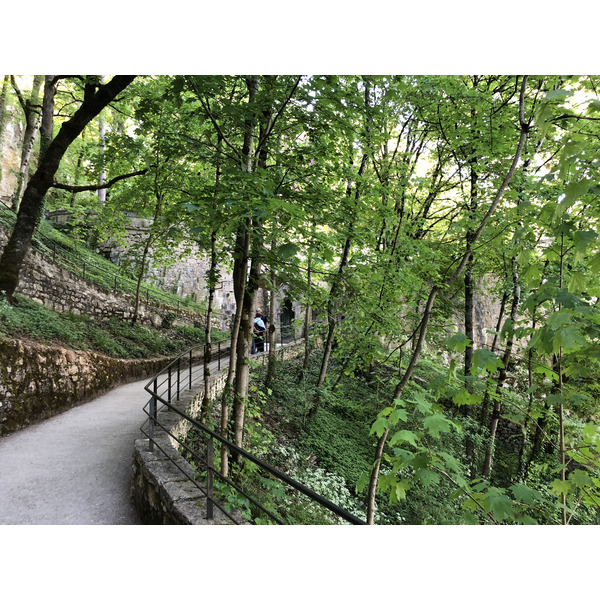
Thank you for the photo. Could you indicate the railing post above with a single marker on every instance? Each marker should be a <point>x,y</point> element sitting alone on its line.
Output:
<point>178,376</point>
<point>219,356</point>
<point>152,417</point>
<point>209,478</point>
<point>190,381</point>
<point>169,386</point>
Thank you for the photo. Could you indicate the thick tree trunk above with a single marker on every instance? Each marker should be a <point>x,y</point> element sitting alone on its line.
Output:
<point>244,297</point>
<point>32,204</point>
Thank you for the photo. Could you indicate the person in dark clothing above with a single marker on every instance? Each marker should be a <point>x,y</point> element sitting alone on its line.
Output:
<point>259,333</point>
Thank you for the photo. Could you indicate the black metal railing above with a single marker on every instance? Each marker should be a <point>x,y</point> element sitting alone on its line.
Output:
<point>181,375</point>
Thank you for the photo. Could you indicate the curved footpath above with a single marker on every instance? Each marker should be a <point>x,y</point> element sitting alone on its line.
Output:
<point>75,468</point>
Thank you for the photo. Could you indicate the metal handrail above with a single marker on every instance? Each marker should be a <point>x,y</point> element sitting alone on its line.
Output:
<point>181,370</point>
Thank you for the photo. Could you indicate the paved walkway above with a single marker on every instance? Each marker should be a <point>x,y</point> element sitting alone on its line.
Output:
<point>75,468</point>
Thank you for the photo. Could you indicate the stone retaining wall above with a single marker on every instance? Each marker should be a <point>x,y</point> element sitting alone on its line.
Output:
<point>62,291</point>
<point>39,381</point>
<point>161,489</point>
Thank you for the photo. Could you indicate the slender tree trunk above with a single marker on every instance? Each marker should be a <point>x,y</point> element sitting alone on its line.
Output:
<point>487,465</point>
<point>270,333</point>
<point>242,370</point>
<point>102,135</point>
<point>242,249</point>
<point>212,278</point>
<point>32,204</point>
<point>140,278</point>
<point>503,302</point>
<point>469,312</point>
<point>521,468</point>
<point>307,317</point>
<point>149,241</point>
<point>335,293</point>
<point>78,169</point>
<point>212,283</point>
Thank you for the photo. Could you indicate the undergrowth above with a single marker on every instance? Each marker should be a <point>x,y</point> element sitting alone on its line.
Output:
<point>111,336</point>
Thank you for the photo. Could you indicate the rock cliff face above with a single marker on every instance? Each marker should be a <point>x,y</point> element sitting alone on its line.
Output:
<point>10,160</point>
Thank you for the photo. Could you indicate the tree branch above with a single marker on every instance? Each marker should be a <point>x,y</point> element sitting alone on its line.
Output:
<point>95,188</point>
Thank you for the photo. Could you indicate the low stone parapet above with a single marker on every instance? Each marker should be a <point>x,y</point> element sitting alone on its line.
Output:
<point>162,491</point>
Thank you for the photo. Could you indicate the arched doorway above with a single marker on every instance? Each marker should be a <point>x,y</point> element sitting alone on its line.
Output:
<point>286,318</point>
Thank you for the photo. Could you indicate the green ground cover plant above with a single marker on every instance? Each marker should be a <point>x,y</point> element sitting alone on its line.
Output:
<point>30,320</point>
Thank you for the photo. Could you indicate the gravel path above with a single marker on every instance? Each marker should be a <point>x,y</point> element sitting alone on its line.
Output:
<point>75,468</point>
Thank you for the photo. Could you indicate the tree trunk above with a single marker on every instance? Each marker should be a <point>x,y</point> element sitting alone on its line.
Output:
<point>270,333</point>
<point>212,283</point>
<point>32,204</point>
<point>469,311</point>
<point>334,294</point>
<point>307,317</point>
<point>102,135</point>
<point>244,297</point>
<point>487,465</point>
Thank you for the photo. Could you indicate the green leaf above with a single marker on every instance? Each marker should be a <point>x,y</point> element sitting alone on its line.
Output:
<point>404,436</point>
<point>578,282</point>
<point>582,239</point>
<point>580,478</point>
<point>398,492</point>
<point>557,94</point>
<point>437,424</point>
<point>362,482</point>
<point>500,505</point>
<point>379,427</point>
<point>486,360</point>
<point>458,342</point>
<point>464,398</point>
<point>558,319</point>
<point>525,494</point>
<point>561,487</point>
<point>569,339</point>
<point>573,191</point>
<point>399,414</point>
<point>427,477</point>
<point>287,251</point>
<point>594,263</point>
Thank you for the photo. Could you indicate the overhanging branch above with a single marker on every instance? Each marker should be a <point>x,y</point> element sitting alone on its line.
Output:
<point>95,188</point>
